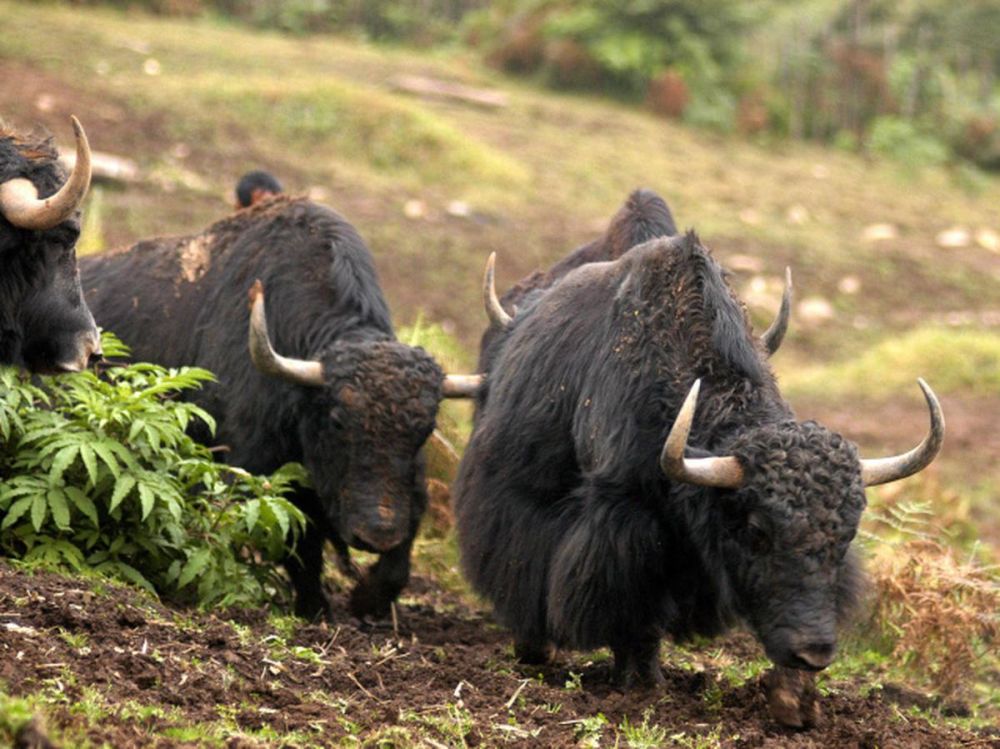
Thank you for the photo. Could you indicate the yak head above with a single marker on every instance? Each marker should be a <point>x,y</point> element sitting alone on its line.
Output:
<point>45,324</point>
<point>789,498</point>
<point>373,406</point>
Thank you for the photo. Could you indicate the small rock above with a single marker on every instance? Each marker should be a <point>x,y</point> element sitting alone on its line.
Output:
<point>45,102</point>
<point>750,216</point>
<point>318,193</point>
<point>988,240</point>
<point>459,208</point>
<point>414,209</point>
<point>820,171</point>
<point>849,285</point>
<point>956,236</point>
<point>745,263</point>
<point>797,215</point>
<point>879,232</point>
<point>181,150</point>
<point>103,67</point>
<point>152,66</point>
<point>815,310</point>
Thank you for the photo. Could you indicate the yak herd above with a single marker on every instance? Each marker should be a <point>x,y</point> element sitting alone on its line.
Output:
<point>633,470</point>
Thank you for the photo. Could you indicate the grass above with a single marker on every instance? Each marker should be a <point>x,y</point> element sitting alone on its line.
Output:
<point>951,360</point>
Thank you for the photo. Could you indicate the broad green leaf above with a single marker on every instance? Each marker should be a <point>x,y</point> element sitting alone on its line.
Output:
<point>90,462</point>
<point>20,507</point>
<point>137,426</point>
<point>250,514</point>
<point>83,503</point>
<point>147,499</point>
<point>280,515</point>
<point>59,508</point>
<point>62,461</point>
<point>39,509</point>
<point>194,566</point>
<point>105,454</point>
<point>122,487</point>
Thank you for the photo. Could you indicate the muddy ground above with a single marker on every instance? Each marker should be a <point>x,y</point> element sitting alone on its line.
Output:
<point>348,683</point>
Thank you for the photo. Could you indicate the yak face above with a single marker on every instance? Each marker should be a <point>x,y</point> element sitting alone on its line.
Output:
<point>787,538</point>
<point>362,440</point>
<point>45,324</point>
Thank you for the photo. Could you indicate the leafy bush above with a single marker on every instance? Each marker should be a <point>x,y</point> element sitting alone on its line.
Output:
<point>99,473</point>
<point>900,140</point>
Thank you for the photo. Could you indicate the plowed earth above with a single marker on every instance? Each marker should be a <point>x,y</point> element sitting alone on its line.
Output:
<point>444,674</point>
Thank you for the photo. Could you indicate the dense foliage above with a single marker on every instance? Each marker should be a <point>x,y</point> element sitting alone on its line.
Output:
<point>98,472</point>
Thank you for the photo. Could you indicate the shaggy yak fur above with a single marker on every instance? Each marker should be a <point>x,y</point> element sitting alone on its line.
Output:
<point>184,301</point>
<point>643,216</point>
<point>43,318</point>
<point>566,521</point>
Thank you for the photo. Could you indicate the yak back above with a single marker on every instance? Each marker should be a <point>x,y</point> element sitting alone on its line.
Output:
<point>183,301</point>
<point>643,216</point>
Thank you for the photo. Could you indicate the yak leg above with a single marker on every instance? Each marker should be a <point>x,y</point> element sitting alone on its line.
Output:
<point>637,663</point>
<point>532,653</point>
<point>792,697</point>
<point>382,582</point>
<point>345,564</point>
<point>305,570</point>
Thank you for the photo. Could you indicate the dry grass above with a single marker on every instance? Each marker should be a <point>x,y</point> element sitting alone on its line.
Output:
<point>939,612</point>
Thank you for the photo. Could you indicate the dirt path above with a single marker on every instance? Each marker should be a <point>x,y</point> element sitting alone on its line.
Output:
<point>441,679</point>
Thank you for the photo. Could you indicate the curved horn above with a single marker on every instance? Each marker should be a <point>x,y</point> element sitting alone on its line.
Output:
<point>773,336</point>
<point>723,472</point>
<point>883,470</point>
<point>497,314</point>
<point>461,386</point>
<point>19,201</point>
<point>299,371</point>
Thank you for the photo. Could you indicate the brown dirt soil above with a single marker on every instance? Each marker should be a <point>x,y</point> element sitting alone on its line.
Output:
<point>363,677</point>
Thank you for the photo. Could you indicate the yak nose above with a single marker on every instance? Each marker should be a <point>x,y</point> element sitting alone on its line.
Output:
<point>384,529</point>
<point>96,354</point>
<point>818,655</point>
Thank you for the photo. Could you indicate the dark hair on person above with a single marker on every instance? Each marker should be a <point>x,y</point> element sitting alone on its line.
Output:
<point>256,180</point>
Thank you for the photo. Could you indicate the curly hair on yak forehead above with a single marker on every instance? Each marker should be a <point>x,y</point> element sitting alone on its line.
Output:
<point>803,469</point>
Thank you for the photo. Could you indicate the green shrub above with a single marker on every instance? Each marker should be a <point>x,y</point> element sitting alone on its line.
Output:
<point>901,141</point>
<point>99,473</point>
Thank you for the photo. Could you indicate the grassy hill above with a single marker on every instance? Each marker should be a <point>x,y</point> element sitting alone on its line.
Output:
<point>434,186</point>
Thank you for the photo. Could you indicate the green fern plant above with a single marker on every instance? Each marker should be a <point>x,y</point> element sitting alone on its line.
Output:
<point>99,472</point>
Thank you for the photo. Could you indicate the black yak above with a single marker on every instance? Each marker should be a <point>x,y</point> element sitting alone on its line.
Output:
<point>643,216</point>
<point>45,325</point>
<point>586,525</point>
<point>354,405</point>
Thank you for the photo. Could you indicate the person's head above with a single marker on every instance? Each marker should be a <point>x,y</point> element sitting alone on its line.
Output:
<point>254,187</point>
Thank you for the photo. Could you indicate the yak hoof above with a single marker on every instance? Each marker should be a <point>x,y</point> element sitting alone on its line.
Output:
<point>367,601</point>
<point>638,665</point>
<point>649,677</point>
<point>792,697</point>
<point>532,653</point>
<point>314,606</point>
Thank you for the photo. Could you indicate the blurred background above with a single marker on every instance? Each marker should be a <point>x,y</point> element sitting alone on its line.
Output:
<point>856,141</point>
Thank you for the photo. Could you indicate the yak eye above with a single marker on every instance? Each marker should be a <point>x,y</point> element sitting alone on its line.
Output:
<point>757,538</point>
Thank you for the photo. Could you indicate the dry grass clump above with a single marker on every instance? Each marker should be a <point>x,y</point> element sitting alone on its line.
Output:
<point>939,613</point>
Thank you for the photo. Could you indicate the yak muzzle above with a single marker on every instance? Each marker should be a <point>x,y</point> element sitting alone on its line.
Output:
<point>382,528</point>
<point>88,352</point>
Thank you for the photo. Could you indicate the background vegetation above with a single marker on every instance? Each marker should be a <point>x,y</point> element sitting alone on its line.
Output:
<point>916,81</point>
